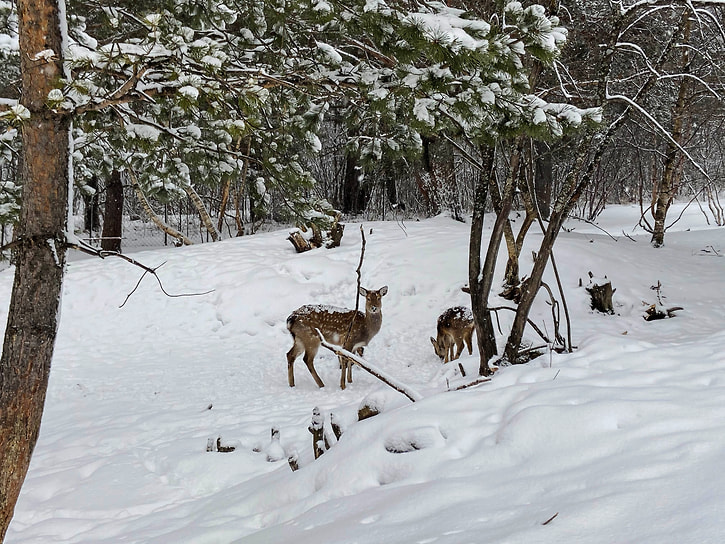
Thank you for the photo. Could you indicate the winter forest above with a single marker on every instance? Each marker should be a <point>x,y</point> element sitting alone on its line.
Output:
<point>525,165</point>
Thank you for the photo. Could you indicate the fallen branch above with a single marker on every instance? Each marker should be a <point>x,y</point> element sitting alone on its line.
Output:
<point>593,224</point>
<point>371,369</point>
<point>474,383</point>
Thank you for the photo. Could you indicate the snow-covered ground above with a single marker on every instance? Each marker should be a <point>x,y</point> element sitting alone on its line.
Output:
<point>622,441</point>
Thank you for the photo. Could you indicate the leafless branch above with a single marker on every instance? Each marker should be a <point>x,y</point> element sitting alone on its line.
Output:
<point>90,250</point>
<point>371,369</point>
<point>474,383</point>
<point>592,223</point>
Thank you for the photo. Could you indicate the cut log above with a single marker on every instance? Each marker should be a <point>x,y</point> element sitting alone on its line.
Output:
<point>297,240</point>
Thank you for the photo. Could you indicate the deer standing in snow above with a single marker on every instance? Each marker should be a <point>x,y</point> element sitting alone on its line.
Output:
<point>351,329</point>
<point>455,326</point>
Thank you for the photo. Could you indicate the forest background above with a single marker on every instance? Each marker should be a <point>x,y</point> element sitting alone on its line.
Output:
<point>234,115</point>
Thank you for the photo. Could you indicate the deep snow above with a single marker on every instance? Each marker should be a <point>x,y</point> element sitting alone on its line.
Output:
<point>623,439</point>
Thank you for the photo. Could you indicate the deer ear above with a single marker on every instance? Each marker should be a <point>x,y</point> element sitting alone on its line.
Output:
<point>433,341</point>
<point>363,292</point>
<point>383,290</point>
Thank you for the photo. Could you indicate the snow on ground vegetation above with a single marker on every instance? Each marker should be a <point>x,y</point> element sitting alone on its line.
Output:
<point>621,441</point>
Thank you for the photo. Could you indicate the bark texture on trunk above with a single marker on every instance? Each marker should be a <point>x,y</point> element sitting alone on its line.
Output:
<point>672,171</point>
<point>33,316</point>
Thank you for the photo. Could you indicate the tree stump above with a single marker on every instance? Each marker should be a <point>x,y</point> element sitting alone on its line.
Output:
<point>317,429</point>
<point>600,290</point>
<point>317,238</point>
<point>299,241</point>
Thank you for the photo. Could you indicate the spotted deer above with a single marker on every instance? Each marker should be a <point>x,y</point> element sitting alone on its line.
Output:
<point>351,329</point>
<point>455,326</point>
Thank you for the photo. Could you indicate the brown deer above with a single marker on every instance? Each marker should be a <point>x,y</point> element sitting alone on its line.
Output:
<point>455,326</point>
<point>351,329</point>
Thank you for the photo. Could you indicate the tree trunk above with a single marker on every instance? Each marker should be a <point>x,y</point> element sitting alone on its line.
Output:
<point>543,179</point>
<point>353,197</point>
<point>485,335</point>
<point>152,215</point>
<point>226,189</point>
<point>672,171</point>
<point>577,180</point>
<point>33,316</point>
<point>203,213</point>
<point>90,211</point>
<point>113,214</point>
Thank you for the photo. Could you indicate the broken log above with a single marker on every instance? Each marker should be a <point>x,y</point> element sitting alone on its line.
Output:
<point>656,311</point>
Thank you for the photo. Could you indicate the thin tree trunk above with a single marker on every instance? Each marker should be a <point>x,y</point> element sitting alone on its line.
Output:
<point>225,200</point>
<point>543,179</point>
<point>672,171</point>
<point>485,335</point>
<point>203,213</point>
<point>353,196</point>
<point>502,220</point>
<point>152,215</point>
<point>90,203</point>
<point>113,214</point>
<point>40,260</point>
<point>588,159</point>
<point>239,192</point>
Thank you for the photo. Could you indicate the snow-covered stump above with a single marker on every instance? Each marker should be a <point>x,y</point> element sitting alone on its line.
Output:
<point>294,462</point>
<point>600,290</point>
<point>317,429</point>
<point>367,410</point>
<point>216,446</point>
<point>336,427</point>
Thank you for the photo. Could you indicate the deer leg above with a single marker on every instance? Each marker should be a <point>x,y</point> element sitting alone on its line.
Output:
<point>343,369</point>
<point>309,360</point>
<point>469,341</point>
<point>459,347</point>
<point>292,354</point>
<point>350,364</point>
<point>449,349</point>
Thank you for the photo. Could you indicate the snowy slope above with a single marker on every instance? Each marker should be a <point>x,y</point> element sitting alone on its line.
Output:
<point>622,439</point>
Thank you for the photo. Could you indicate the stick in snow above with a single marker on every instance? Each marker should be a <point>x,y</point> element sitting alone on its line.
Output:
<point>371,369</point>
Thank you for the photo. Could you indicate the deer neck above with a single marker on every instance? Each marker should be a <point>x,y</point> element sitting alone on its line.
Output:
<point>373,322</point>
